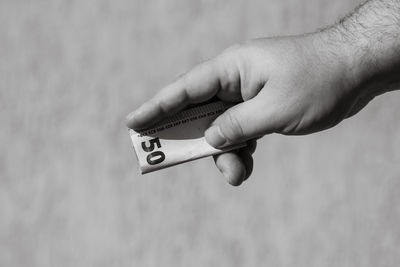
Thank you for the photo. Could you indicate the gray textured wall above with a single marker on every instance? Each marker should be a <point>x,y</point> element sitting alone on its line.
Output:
<point>70,192</point>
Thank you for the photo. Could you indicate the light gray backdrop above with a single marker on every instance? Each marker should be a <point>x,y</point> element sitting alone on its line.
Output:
<point>70,192</point>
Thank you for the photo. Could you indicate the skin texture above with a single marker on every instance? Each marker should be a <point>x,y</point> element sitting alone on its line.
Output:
<point>289,85</point>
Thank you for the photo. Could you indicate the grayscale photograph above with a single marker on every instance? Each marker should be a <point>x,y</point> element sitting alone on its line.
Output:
<point>193,133</point>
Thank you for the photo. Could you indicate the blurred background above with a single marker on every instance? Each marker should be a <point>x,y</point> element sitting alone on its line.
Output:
<point>70,189</point>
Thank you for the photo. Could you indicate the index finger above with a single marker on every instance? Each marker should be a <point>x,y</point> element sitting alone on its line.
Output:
<point>198,85</point>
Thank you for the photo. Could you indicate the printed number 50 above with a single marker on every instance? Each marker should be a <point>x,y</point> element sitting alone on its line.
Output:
<point>154,157</point>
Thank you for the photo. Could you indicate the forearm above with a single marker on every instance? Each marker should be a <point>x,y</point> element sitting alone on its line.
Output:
<point>369,39</point>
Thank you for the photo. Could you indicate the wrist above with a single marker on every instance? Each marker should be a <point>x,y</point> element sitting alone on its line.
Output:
<point>338,58</point>
<point>369,66</point>
<point>370,41</point>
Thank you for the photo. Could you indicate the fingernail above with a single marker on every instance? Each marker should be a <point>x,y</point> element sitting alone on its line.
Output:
<point>225,175</point>
<point>215,137</point>
<point>130,116</point>
<point>229,179</point>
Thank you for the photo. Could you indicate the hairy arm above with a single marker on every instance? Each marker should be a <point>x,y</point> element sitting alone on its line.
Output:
<point>289,85</point>
<point>370,39</point>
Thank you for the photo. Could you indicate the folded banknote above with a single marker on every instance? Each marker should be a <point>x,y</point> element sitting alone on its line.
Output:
<point>178,138</point>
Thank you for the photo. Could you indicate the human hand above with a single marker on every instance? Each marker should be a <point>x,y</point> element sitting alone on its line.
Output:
<point>290,85</point>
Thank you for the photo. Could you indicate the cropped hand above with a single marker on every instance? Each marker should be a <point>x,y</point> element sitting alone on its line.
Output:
<point>290,85</point>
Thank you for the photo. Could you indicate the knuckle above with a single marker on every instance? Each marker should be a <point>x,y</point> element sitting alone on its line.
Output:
<point>233,128</point>
<point>161,103</point>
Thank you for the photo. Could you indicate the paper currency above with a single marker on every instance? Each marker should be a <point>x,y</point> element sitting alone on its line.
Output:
<point>178,139</point>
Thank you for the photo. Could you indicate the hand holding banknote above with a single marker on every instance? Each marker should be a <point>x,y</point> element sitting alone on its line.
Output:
<point>291,85</point>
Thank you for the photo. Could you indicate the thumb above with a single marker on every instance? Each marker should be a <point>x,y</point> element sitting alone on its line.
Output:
<point>244,121</point>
